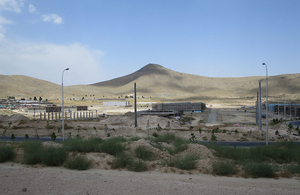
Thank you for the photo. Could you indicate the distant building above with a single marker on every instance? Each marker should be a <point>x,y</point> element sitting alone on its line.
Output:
<point>180,107</point>
<point>119,103</point>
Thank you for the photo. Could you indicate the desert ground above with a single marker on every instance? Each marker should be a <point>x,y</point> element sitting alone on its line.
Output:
<point>233,124</point>
<point>49,180</point>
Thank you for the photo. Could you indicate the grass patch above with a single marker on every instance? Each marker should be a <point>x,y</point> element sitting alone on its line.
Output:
<point>6,153</point>
<point>167,138</point>
<point>187,162</point>
<point>281,153</point>
<point>223,168</point>
<point>80,145</point>
<point>78,162</point>
<point>52,156</point>
<point>137,166</point>
<point>259,170</point>
<point>133,139</point>
<point>144,153</point>
<point>293,168</point>
<point>122,160</point>
<point>32,152</point>
<point>113,146</point>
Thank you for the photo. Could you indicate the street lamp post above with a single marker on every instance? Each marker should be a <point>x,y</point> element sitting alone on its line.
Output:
<point>267,106</point>
<point>62,102</point>
<point>284,112</point>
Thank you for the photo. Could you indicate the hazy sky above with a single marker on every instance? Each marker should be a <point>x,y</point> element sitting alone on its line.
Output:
<point>103,39</point>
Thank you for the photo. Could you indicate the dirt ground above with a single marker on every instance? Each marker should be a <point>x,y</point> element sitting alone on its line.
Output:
<point>49,180</point>
<point>232,125</point>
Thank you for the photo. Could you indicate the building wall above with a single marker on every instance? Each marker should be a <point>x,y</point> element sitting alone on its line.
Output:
<point>120,103</point>
<point>181,106</point>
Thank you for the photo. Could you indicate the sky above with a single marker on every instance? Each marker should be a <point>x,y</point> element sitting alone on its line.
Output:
<point>99,40</point>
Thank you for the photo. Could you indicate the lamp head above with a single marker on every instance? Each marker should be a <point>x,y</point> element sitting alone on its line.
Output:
<point>67,68</point>
<point>263,64</point>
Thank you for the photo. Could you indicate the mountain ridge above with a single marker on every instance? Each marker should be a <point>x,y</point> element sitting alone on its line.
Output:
<point>156,81</point>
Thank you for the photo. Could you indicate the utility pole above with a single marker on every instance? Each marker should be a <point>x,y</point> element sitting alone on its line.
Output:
<point>259,106</point>
<point>135,114</point>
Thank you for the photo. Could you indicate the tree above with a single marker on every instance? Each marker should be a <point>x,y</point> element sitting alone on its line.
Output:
<point>40,99</point>
<point>12,137</point>
<point>53,136</point>
<point>34,98</point>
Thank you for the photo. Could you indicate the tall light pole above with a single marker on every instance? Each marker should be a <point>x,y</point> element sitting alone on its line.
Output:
<point>267,106</point>
<point>62,102</point>
<point>284,112</point>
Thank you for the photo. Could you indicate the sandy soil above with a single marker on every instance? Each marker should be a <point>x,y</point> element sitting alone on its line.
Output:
<point>48,180</point>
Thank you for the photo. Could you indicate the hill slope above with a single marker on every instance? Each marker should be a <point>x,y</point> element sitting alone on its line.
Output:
<point>155,81</point>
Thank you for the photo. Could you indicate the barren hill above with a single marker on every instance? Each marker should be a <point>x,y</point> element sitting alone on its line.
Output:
<point>162,82</point>
<point>156,81</point>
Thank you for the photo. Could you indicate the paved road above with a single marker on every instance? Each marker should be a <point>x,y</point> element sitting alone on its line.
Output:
<point>22,138</point>
<point>213,116</point>
<point>295,123</point>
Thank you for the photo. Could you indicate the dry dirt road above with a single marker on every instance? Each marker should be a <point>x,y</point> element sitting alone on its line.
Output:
<point>49,180</point>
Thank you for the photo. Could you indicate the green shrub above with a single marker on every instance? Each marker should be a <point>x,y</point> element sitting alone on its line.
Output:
<point>137,166</point>
<point>53,136</point>
<point>135,139</point>
<point>168,138</point>
<point>52,156</point>
<point>6,153</point>
<point>122,160</point>
<point>78,162</point>
<point>259,170</point>
<point>144,153</point>
<point>113,146</point>
<point>80,145</point>
<point>213,137</point>
<point>180,145</point>
<point>32,152</point>
<point>187,162</point>
<point>158,128</point>
<point>294,168</point>
<point>223,168</point>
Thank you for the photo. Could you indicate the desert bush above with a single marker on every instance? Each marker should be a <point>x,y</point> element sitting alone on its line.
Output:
<point>187,162</point>
<point>80,145</point>
<point>134,138</point>
<point>158,127</point>
<point>285,152</point>
<point>293,168</point>
<point>179,144</point>
<point>78,162</point>
<point>168,138</point>
<point>137,166</point>
<point>53,136</point>
<point>223,168</point>
<point>213,137</point>
<point>32,152</point>
<point>259,170</point>
<point>113,146</point>
<point>154,134</point>
<point>122,160</point>
<point>6,153</point>
<point>52,156</point>
<point>144,153</point>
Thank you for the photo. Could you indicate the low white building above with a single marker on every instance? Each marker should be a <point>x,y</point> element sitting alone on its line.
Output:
<point>119,103</point>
